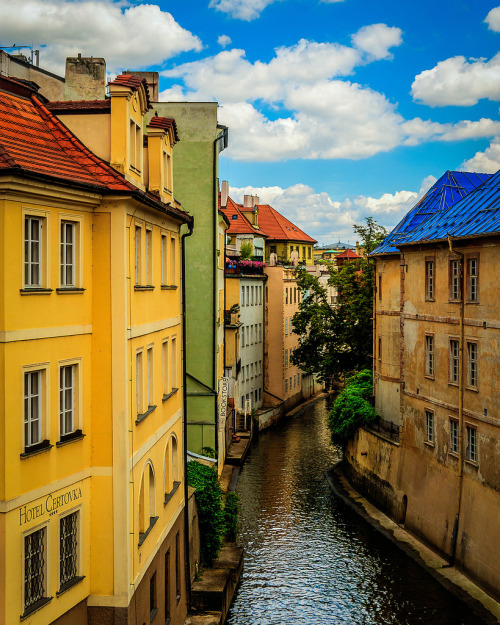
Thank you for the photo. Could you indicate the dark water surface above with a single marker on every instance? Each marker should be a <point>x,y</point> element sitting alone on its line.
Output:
<point>309,559</point>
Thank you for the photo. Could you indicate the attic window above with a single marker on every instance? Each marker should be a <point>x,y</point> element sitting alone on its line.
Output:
<point>234,216</point>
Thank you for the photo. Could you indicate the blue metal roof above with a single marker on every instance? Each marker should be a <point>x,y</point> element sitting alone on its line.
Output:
<point>452,188</point>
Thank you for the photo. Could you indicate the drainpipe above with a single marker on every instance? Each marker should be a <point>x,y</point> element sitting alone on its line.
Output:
<point>460,405</point>
<point>184,403</point>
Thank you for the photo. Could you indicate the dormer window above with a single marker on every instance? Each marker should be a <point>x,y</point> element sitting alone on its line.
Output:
<point>135,147</point>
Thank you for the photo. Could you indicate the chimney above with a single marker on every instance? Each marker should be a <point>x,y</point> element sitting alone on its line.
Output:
<point>247,201</point>
<point>255,200</point>
<point>85,78</point>
<point>152,79</point>
<point>224,193</point>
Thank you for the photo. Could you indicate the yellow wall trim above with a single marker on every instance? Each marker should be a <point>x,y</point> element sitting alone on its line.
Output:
<point>46,489</point>
<point>31,334</point>
<point>143,450</point>
<point>154,326</point>
<point>159,542</point>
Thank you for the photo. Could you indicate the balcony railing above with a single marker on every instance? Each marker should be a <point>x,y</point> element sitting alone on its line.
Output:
<point>387,428</point>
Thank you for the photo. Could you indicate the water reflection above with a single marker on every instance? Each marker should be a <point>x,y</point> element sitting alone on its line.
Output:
<point>310,559</point>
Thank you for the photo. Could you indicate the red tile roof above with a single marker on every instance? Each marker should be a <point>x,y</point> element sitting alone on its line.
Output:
<point>348,254</point>
<point>35,143</point>
<point>134,82</point>
<point>238,223</point>
<point>279,228</point>
<point>85,106</point>
<point>166,123</point>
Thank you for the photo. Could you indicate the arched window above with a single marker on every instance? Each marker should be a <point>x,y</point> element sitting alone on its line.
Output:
<point>147,502</point>
<point>171,467</point>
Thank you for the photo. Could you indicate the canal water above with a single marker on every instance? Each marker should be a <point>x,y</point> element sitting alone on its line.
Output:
<point>309,559</point>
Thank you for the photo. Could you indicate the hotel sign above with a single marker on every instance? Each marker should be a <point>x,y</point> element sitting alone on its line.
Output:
<point>49,506</point>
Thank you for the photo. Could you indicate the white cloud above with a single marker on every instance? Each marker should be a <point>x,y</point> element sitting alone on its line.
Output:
<point>487,162</point>
<point>377,39</point>
<point>458,81</point>
<point>134,36</point>
<point>224,40</point>
<point>493,19</point>
<point>419,130</point>
<point>329,220</point>
<point>241,9</point>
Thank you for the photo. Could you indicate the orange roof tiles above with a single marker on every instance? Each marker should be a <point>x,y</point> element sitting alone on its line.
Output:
<point>238,223</point>
<point>33,141</point>
<point>348,254</point>
<point>134,82</point>
<point>166,123</point>
<point>279,228</point>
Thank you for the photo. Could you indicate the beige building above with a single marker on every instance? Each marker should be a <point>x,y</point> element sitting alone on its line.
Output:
<point>434,464</point>
<point>281,379</point>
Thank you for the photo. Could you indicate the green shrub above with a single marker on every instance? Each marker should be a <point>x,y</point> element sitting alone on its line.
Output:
<point>209,452</point>
<point>231,509</point>
<point>246,250</point>
<point>210,515</point>
<point>352,408</point>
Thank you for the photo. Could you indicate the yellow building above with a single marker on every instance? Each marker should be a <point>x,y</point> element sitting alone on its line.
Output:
<point>91,492</point>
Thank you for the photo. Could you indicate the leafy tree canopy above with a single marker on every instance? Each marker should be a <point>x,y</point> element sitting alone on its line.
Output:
<point>336,341</point>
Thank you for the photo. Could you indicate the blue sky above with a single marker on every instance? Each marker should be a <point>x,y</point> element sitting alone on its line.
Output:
<point>336,109</point>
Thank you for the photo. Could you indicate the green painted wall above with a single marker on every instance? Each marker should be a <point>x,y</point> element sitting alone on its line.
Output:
<point>195,186</point>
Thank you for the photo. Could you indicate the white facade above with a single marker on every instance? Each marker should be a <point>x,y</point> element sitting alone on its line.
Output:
<point>251,377</point>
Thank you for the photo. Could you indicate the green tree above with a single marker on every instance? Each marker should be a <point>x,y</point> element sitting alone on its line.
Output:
<point>336,341</point>
<point>352,408</point>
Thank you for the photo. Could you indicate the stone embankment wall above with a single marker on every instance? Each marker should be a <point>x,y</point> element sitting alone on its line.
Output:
<point>424,496</point>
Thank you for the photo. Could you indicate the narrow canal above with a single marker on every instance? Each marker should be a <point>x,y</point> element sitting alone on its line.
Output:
<point>309,559</point>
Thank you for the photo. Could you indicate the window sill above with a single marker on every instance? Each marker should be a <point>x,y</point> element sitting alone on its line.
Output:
<point>453,454</point>
<point>168,395</point>
<point>69,584</point>
<point>453,384</point>
<point>69,289</point>
<point>35,291</point>
<point>36,449</point>
<point>474,389</point>
<point>168,496</point>
<point>77,435</point>
<point>141,417</point>
<point>429,444</point>
<point>152,614</point>
<point>430,299</point>
<point>168,287</point>
<point>454,301</point>
<point>145,287</point>
<point>472,463</point>
<point>36,606</point>
<point>178,597</point>
<point>143,536</point>
<point>429,377</point>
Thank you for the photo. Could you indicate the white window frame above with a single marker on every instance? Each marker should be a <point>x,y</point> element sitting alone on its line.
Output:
<point>149,256</point>
<point>164,258</point>
<point>150,376</point>
<point>429,355</point>
<point>173,363</point>
<point>454,436</point>
<point>43,375</point>
<point>454,373</point>
<point>165,367</point>
<point>139,380</point>
<point>66,403</point>
<point>173,260</point>
<point>471,452</point>
<point>138,253</point>
<point>429,427</point>
<point>472,364</point>
<point>43,262</point>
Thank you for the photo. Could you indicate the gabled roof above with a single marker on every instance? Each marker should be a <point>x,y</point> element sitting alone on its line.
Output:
<point>166,123</point>
<point>238,223</point>
<point>348,254</point>
<point>477,214</point>
<point>279,228</point>
<point>35,143</point>
<point>452,187</point>
<point>134,83</point>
